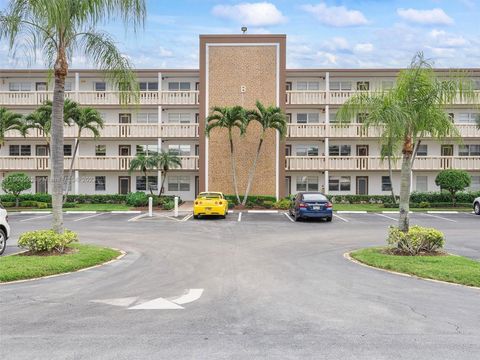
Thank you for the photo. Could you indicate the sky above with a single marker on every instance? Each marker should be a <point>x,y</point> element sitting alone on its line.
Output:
<point>320,34</point>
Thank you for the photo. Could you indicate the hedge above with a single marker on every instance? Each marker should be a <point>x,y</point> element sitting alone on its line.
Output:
<point>253,200</point>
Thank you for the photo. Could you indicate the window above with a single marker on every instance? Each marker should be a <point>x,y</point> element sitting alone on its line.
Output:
<point>100,86</point>
<point>422,184</point>
<point>339,183</point>
<point>20,150</point>
<point>386,183</point>
<point>340,150</point>
<point>307,183</point>
<point>178,86</point>
<point>306,150</point>
<point>308,118</point>
<point>13,86</point>
<point>100,150</point>
<point>151,149</point>
<point>142,184</point>
<point>333,117</point>
<point>467,118</point>
<point>178,183</point>
<point>340,85</point>
<point>363,85</point>
<point>387,84</point>
<point>147,118</point>
<point>469,150</point>
<point>124,118</point>
<point>422,150</point>
<point>68,86</point>
<point>100,183</point>
<point>308,85</point>
<point>475,185</point>
<point>476,84</point>
<point>67,150</point>
<point>179,118</point>
<point>148,86</point>
<point>361,117</point>
<point>179,150</point>
<point>41,150</point>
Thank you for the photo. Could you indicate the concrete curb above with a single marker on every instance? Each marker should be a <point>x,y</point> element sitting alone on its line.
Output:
<point>122,254</point>
<point>348,257</point>
<point>351,212</point>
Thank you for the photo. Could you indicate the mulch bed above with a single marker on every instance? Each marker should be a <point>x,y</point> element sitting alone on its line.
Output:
<point>399,252</point>
<point>49,253</point>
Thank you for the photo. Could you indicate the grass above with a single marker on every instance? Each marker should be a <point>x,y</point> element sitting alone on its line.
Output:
<point>80,207</point>
<point>379,208</point>
<point>18,267</point>
<point>450,268</point>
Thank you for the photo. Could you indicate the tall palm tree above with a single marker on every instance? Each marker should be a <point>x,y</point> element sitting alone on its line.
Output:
<point>414,108</point>
<point>389,149</point>
<point>144,163</point>
<point>269,118</point>
<point>229,118</point>
<point>85,118</point>
<point>10,121</point>
<point>59,29</point>
<point>165,161</point>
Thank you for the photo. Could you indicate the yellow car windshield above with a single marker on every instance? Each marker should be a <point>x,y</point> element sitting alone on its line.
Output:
<point>209,196</point>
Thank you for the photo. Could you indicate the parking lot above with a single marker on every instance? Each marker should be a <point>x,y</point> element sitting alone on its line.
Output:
<point>255,285</point>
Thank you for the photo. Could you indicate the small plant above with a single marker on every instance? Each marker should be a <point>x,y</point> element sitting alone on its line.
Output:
<point>453,181</point>
<point>417,240</point>
<point>16,183</point>
<point>168,205</point>
<point>282,204</point>
<point>46,240</point>
<point>137,199</point>
<point>424,205</point>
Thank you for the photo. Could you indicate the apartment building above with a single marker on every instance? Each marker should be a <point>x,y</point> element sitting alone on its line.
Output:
<point>317,154</point>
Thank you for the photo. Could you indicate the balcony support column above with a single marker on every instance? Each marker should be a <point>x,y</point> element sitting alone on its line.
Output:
<point>327,87</point>
<point>76,188</point>
<point>326,182</point>
<point>326,144</point>
<point>159,173</point>
<point>77,85</point>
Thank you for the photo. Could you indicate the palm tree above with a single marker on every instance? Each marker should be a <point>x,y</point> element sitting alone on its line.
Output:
<point>165,161</point>
<point>228,118</point>
<point>10,121</point>
<point>269,118</point>
<point>85,119</point>
<point>59,29</point>
<point>388,150</point>
<point>414,108</point>
<point>144,163</point>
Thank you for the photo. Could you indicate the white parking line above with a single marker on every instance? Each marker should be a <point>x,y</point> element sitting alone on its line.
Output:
<point>439,217</point>
<point>88,217</point>
<point>385,216</point>
<point>239,217</point>
<point>289,217</point>
<point>340,217</point>
<point>187,217</point>
<point>135,218</point>
<point>35,218</point>
<point>351,212</point>
<point>262,211</point>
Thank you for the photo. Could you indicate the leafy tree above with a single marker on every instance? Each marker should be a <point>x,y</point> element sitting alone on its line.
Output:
<point>165,161</point>
<point>228,118</point>
<point>15,183</point>
<point>85,119</point>
<point>10,121</point>
<point>269,118</point>
<point>59,29</point>
<point>144,163</point>
<point>453,181</point>
<point>414,108</point>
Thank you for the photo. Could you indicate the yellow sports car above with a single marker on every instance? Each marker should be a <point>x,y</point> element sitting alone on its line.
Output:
<point>210,203</point>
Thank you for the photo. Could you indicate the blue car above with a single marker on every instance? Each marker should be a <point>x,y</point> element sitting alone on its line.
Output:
<point>311,205</point>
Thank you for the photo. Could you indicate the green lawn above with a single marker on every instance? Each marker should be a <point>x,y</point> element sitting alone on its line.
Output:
<point>451,268</point>
<point>100,207</point>
<point>18,267</point>
<point>379,208</point>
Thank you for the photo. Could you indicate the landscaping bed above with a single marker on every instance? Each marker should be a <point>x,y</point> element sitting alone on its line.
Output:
<point>437,266</point>
<point>77,256</point>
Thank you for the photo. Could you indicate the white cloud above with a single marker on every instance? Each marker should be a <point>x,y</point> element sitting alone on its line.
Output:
<point>338,16</point>
<point>363,48</point>
<point>337,43</point>
<point>255,14</point>
<point>444,39</point>
<point>428,17</point>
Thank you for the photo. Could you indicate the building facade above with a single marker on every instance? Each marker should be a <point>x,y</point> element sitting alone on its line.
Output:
<point>317,153</point>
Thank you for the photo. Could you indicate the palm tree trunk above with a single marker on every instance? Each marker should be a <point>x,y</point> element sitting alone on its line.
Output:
<point>234,173</point>
<point>405,182</point>
<point>251,175</point>
<point>390,175</point>
<point>56,153</point>
<point>70,170</point>
<point>146,183</point>
<point>163,182</point>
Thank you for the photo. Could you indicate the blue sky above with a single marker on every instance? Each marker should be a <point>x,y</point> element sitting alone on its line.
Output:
<point>331,34</point>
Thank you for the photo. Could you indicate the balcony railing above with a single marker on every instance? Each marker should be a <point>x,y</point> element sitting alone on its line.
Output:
<point>322,97</point>
<point>339,163</point>
<point>102,97</point>
<point>83,163</point>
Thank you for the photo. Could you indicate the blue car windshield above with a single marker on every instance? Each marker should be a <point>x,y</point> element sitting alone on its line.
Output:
<point>314,197</point>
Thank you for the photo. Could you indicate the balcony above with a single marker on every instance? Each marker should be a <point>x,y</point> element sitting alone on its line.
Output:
<point>107,163</point>
<point>352,163</point>
<point>322,97</point>
<point>91,98</point>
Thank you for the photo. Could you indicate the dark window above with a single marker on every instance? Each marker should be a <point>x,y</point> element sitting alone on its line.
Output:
<point>386,184</point>
<point>314,197</point>
<point>142,184</point>
<point>20,150</point>
<point>100,183</point>
<point>100,86</point>
<point>67,150</point>
<point>100,150</point>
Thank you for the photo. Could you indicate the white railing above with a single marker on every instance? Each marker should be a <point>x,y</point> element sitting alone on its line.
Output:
<point>296,97</point>
<point>306,130</point>
<point>102,97</point>
<point>179,130</point>
<point>304,163</point>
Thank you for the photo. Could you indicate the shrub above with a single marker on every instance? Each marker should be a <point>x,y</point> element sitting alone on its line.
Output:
<point>15,183</point>
<point>8,204</point>
<point>282,204</point>
<point>28,203</point>
<point>268,204</point>
<point>137,199</point>
<point>168,205</point>
<point>46,240</point>
<point>69,205</point>
<point>254,200</point>
<point>424,204</point>
<point>42,205</point>
<point>417,240</point>
<point>98,199</point>
<point>453,181</point>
